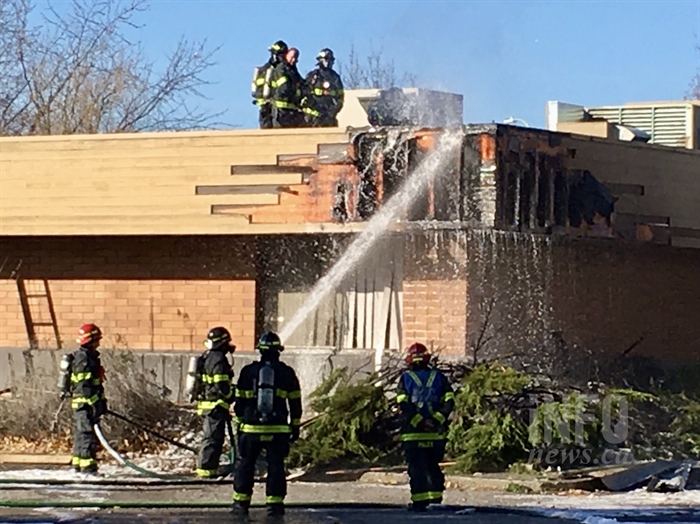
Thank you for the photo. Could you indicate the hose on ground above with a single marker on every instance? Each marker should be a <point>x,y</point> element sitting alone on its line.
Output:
<point>122,460</point>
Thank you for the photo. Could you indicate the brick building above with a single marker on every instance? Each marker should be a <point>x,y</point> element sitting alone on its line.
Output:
<point>158,236</point>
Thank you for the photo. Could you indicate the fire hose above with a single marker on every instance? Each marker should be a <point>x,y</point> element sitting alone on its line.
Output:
<point>129,464</point>
<point>151,432</point>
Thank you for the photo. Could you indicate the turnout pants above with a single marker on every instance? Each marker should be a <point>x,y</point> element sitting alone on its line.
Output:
<point>276,449</point>
<point>426,478</point>
<point>265,116</point>
<point>324,120</point>
<point>287,118</point>
<point>84,440</point>
<point>214,434</point>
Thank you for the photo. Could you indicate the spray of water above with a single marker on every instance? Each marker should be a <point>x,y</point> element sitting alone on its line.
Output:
<point>414,185</point>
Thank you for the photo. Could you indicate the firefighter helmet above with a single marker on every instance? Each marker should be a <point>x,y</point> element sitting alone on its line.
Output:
<point>217,337</point>
<point>278,48</point>
<point>326,57</point>
<point>88,334</point>
<point>269,341</point>
<point>417,354</point>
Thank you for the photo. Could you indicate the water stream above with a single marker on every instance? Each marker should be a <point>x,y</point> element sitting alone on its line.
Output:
<point>412,188</point>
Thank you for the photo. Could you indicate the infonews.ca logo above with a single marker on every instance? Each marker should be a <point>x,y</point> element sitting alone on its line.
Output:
<point>584,430</point>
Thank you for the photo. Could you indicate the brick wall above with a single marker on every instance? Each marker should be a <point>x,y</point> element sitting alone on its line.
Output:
<point>435,313</point>
<point>156,294</point>
<point>606,295</point>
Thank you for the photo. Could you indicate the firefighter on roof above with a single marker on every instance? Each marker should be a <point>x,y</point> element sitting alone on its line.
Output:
<point>287,87</point>
<point>214,393</point>
<point>262,87</point>
<point>82,376</point>
<point>426,400</point>
<point>324,93</point>
<point>268,410</point>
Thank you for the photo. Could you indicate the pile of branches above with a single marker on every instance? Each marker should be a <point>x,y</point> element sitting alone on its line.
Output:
<point>502,418</point>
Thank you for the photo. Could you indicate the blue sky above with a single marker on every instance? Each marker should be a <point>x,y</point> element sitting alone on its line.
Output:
<point>506,57</point>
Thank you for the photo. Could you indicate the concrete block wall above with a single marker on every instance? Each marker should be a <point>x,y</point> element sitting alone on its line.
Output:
<point>167,370</point>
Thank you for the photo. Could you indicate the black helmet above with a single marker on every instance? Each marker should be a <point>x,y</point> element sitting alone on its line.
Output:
<point>269,341</point>
<point>278,48</point>
<point>218,337</point>
<point>325,56</point>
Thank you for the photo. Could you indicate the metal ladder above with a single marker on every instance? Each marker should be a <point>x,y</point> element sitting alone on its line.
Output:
<point>37,319</point>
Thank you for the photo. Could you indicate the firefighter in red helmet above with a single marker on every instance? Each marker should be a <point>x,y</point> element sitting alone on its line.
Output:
<point>88,400</point>
<point>426,400</point>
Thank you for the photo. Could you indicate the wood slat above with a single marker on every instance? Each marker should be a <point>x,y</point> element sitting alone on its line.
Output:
<point>268,169</point>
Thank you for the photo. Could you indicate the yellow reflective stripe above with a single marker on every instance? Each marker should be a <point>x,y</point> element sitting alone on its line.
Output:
<point>274,500</point>
<point>448,396</point>
<point>75,461</point>
<point>245,393</point>
<point>401,397</point>
<point>205,472</point>
<point>281,393</point>
<point>311,112</point>
<point>209,405</point>
<point>416,419</point>
<point>250,428</point>
<point>284,105</point>
<point>80,401</point>
<point>416,437</point>
<point>241,497</point>
<point>96,382</point>
<point>431,379</point>
<point>421,497</point>
<point>439,417</point>
<point>296,422</point>
<point>215,379</point>
<point>279,82</point>
<point>295,394</point>
<point>237,420</point>
<point>79,377</point>
<point>259,81</point>
<point>87,462</point>
<point>415,378</point>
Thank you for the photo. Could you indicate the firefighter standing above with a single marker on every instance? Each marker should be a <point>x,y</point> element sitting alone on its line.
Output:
<point>261,88</point>
<point>217,392</point>
<point>426,400</point>
<point>268,410</point>
<point>88,402</point>
<point>325,95</point>
<point>287,88</point>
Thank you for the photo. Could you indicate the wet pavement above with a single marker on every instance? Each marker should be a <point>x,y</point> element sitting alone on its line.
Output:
<point>258,516</point>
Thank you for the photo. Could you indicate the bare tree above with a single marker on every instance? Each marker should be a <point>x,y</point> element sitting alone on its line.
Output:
<point>78,73</point>
<point>375,72</point>
<point>694,87</point>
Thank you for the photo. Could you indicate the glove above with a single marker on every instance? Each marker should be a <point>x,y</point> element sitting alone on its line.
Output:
<point>100,408</point>
<point>295,434</point>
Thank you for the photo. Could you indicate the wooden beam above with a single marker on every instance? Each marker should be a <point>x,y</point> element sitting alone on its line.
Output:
<point>624,189</point>
<point>32,458</point>
<point>237,190</point>
<point>334,154</point>
<point>269,170</point>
